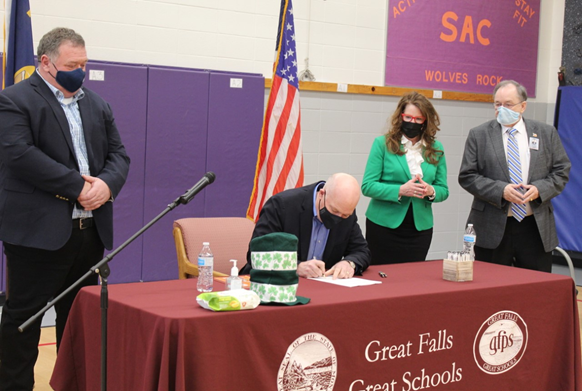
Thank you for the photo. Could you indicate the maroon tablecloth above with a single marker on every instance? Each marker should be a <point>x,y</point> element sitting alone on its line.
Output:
<point>509,329</point>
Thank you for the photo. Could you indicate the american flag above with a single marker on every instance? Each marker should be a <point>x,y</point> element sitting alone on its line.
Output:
<point>280,158</point>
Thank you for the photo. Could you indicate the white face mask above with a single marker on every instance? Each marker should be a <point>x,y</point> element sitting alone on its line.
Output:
<point>507,116</point>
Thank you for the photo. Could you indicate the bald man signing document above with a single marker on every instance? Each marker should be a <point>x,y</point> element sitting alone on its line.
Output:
<point>323,217</point>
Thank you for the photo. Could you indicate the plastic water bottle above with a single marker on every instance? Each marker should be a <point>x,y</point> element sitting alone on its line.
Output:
<point>205,268</point>
<point>469,240</point>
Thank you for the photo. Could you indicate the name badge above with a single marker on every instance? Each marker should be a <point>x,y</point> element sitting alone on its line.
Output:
<point>534,143</point>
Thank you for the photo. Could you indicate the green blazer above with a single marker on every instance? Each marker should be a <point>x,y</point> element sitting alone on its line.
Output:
<point>386,172</point>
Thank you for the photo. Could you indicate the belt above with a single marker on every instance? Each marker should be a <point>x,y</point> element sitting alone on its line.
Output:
<point>83,223</point>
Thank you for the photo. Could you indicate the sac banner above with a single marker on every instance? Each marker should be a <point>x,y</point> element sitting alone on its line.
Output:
<point>466,46</point>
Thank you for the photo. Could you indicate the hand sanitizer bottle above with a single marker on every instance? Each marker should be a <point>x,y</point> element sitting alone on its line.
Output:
<point>234,281</point>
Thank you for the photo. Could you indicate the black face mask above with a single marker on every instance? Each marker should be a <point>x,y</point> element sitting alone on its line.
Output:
<point>328,219</point>
<point>71,81</point>
<point>411,129</point>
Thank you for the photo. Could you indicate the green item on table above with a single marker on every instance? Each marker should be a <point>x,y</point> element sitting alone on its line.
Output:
<point>232,300</point>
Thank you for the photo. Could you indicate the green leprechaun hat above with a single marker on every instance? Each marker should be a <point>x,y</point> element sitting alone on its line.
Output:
<point>274,273</point>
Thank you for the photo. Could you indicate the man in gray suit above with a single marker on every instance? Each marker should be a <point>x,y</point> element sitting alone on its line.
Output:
<point>514,167</point>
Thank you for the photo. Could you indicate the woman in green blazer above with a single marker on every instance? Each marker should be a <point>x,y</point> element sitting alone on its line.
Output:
<point>406,172</point>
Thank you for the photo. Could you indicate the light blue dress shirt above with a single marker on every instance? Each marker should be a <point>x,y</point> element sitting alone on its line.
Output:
<point>71,109</point>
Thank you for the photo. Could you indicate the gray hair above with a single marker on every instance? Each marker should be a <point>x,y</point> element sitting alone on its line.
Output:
<point>51,42</point>
<point>521,91</point>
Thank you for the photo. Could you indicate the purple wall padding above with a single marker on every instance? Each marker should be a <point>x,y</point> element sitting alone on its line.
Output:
<point>234,130</point>
<point>125,89</point>
<point>567,205</point>
<point>176,124</point>
<point>175,160</point>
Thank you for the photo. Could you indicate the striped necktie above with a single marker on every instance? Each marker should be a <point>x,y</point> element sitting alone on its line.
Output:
<point>514,165</point>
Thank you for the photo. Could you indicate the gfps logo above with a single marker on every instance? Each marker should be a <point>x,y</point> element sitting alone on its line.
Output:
<point>500,342</point>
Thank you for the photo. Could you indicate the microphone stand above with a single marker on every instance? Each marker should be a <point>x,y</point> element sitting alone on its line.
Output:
<point>102,268</point>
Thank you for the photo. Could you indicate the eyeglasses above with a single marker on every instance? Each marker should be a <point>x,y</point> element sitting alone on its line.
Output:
<point>411,118</point>
<point>506,105</point>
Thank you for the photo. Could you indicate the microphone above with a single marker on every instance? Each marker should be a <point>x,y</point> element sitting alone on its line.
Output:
<point>207,179</point>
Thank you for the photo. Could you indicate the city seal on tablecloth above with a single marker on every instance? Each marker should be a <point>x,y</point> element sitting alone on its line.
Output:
<point>500,342</point>
<point>310,364</point>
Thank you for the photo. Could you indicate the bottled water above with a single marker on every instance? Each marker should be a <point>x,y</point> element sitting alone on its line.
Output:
<point>205,268</point>
<point>469,240</point>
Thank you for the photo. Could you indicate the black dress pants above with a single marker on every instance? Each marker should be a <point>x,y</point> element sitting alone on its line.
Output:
<point>521,246</point>
<point>398,245</point>
<point>34,277</point>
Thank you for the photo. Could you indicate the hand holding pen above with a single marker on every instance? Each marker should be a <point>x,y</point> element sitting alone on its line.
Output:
<point>311,269</point>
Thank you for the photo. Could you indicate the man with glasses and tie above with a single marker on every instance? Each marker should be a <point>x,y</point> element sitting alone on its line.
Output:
<point>513,167</point>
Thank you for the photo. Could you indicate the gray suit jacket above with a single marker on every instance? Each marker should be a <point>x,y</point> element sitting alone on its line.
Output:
<point>484,174</point>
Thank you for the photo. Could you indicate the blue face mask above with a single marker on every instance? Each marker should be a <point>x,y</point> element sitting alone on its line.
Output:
<point>70,80</point>
<point>507,116</point>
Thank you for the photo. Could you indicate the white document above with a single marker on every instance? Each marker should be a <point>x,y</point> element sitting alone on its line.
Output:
<point>349,282</point>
